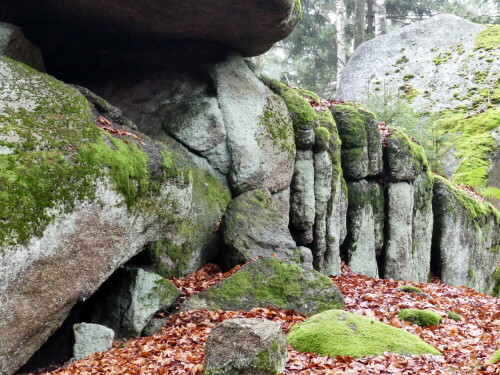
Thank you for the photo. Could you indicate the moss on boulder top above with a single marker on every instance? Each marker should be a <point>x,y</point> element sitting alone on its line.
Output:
<point>270,282</point>
<point>338,332</point>
<point>405,159</point>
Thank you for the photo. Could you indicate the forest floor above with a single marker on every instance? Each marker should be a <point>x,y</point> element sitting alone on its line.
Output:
<point>466,344</point>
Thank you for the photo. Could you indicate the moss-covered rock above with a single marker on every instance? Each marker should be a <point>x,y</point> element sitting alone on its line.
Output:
<point>422,318</point>
<point>495,358</point>
<point>270,282</point>
<point>361,141</point>
<point>405,159</point>
<point>71,193</point>
<point>338,332</point>
<point>245,346</point>
<point>467,236</point>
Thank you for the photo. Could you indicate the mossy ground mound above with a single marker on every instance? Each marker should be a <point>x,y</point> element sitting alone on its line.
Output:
<point>422,318</point>
<point>337,332</point>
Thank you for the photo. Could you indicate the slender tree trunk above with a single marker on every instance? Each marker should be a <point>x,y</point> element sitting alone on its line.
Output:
<point>380,14</point>
<point>341,47</point>
<point>370,18</point>
<point>360,21</point>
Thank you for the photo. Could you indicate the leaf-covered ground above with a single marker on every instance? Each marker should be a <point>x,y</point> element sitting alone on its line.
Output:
<point>466,344</point>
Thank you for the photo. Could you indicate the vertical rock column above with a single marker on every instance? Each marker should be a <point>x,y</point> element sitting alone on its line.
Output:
<point>318,195</point>
<point>361,155</point>
<point>409,218</point>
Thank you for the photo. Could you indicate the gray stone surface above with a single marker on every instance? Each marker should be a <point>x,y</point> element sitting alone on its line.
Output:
<point>196,122</point>
<point>245,346</point>
<point>136,296</point>
<point>58,238</point>
<point>466,244</point>
<point>413,50</point>
<point>360,241</point>
<point>259,129</point>
<point>304,139</point>
<point>306,257</point>
<point>336,227</point>
<point>270,282</point>
<point>253,226</point>
<point>154,326</point>
<point>399,250</point>
<point>90,339</point>
<point>422,226</point>
<point>14,44</point>
<point>302,200</point>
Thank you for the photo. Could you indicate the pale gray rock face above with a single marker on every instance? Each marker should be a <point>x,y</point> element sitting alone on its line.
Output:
<point>422,226</point>
<point>253,226</point>
<point>398,255</point>
<point>14,44</point>
<point>137,295</point>
<point>90,339</point>
<point>466,247</point>
<point>434,51</point>
<point>252,114</point>
<point>302,201</point>
<point>360,241</point>
<point>196,122</point>
<point>281,200</point>
<point>336,227</point>
<point>270,282</point>
<point>245,346</point>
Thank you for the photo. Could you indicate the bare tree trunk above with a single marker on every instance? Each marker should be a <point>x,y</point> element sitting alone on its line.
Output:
<point>341,48</point>
<point>360,21</point>
<point>380,14</point>
<point>370,18</point>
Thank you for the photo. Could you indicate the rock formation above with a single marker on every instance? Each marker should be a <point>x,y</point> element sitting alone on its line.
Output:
<point>448,67</point>
<point>233,166</point>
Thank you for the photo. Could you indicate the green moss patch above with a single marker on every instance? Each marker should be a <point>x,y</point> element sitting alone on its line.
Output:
<point>453,316</point>
<point>477,210</point>
<point>422,318</point>
<point>351,125</point>
<point>56,154</point>
<point>410,289</point>
<point>495,358</point>
<point>339,333</point>
<point>488,38</point>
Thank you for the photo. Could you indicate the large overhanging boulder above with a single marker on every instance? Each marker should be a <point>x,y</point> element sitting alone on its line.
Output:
<point>70,29</point>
